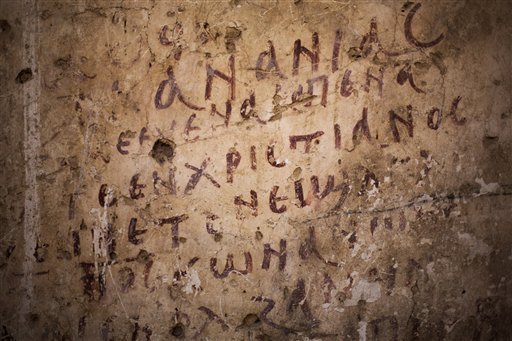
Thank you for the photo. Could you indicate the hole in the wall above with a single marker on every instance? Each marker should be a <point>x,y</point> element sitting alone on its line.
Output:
<point>163,150</point>
<point>5,26</point>
<point>251,320</point>
<point>24,76</point>
<point>33,317</point>
<point>178,330</point>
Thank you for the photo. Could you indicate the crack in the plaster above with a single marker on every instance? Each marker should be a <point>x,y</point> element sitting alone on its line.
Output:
<point>419,200</point>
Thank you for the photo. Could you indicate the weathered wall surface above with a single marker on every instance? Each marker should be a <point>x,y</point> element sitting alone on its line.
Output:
<point>252,170</point>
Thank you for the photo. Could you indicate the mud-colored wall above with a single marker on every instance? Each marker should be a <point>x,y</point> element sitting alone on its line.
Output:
<point>256,170</point>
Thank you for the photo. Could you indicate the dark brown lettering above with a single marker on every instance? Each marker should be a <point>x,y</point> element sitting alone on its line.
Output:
<point>76,243</point>
<point>253,205</point>
<point>229,267</point>
<point>162,36</point>
<point>122,143</point>
<point>308,248</point>
<point>272,63</point>
<point>248,102</point>
<point>409,124</point>
<point>273,201</point>
<point>133,232</point>
<point>211,73</point>
<point>325,86</point>
<point>71,206</point>
<point>405,75</point>
<point>271,158</point>
<point>147,270</point>
<point>189,127</point>
<point>369,179</point>
<point>253,157</point>
<point>313,56</point>
<point>329,188</point>
<point>371,38</point>
<point>379,79</point>
<point>89,281</point>
<point>199,172</point>
<point>174,221</point>
<point>336,51</point>
<point>337,136</point>
<point>373,225</point>
<point>170,185</point>
<point>226,116</point>
<point>211,317</point>
<point>136,188</point>
<point>294,139</point>
<point>430,118</point>
<point>102,195</point>
<point>174,91</point>
<point>268,252</point>
<point>233,158</point>
<point>263,314</point>
<point>361,128</point>
<point>408,31</point>
<point>388,223</point>
<point>298,299</point>
<point>453,110</point>
<point>127,279</point>
<point>346,84</point>
<point>142,135</point>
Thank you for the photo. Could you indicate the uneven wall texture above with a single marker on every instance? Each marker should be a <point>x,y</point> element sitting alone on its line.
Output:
<point>256,170</point>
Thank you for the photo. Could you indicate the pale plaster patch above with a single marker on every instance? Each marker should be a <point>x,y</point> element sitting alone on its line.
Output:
<point>476,247</point>
<point>362,330</point>
<point>491,187</point>
<point>193,282</point>
<point>364,290</point>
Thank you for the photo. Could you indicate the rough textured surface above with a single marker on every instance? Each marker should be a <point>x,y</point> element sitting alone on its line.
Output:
<point>250,170</point>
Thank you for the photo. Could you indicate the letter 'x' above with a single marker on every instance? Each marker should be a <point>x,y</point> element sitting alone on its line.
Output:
<point>199,172</point>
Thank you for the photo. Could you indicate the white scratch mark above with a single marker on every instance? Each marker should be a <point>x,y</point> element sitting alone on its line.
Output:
<point>100,233</point>
<point>362,330</point>
<point>118,296</point>
<point>32,143</point>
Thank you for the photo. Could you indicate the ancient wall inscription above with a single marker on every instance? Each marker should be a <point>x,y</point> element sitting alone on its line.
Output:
<point>256,170</point>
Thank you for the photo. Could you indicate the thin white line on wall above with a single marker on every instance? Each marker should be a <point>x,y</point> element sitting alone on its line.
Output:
<point>31,148</point>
